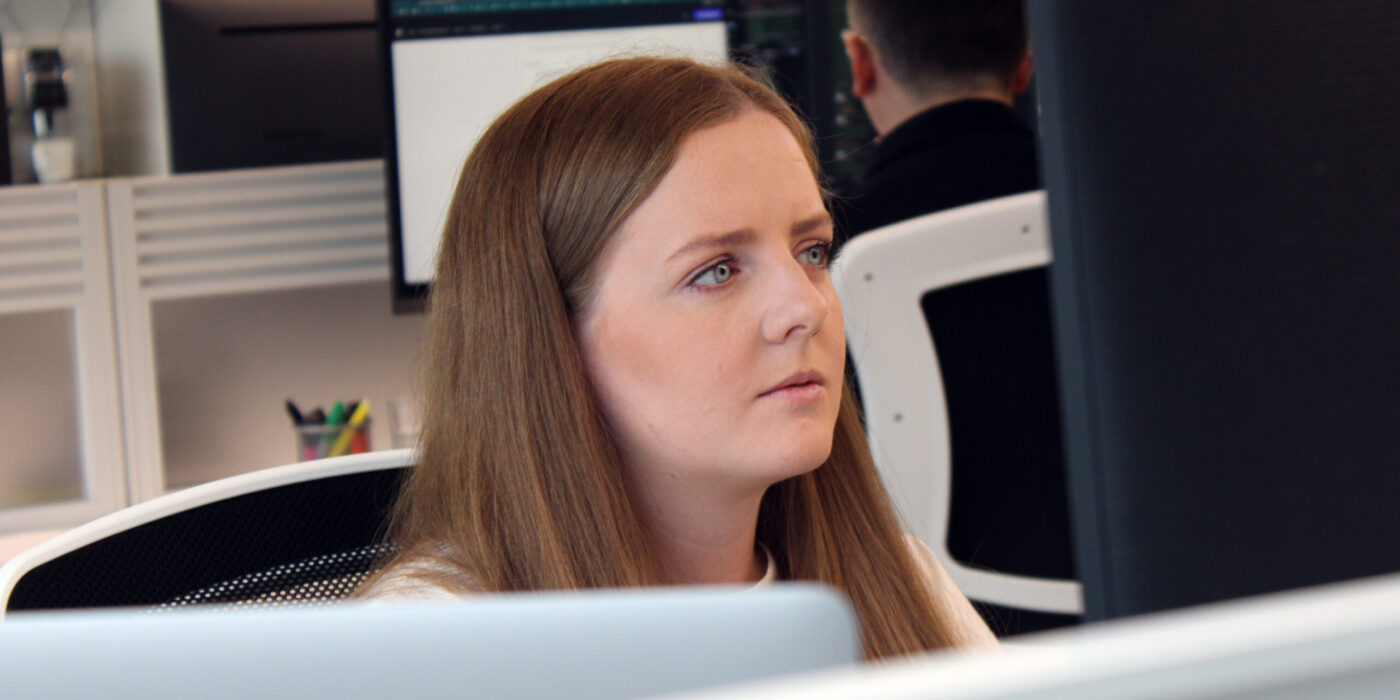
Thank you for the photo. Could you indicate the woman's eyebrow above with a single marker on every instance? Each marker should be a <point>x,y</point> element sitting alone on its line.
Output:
<point>746,235</point>
<point>808,225</point>
<point>715,240</point>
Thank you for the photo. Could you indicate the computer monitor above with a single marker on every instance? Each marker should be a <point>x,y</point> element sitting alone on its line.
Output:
<point>451,66</point>
<point>1340,641</point>
<point>1221,189</point>
<point>596,644</point>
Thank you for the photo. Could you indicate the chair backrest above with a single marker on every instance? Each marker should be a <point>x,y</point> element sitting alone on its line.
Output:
<point>881,276</point>
<point>292,535</point>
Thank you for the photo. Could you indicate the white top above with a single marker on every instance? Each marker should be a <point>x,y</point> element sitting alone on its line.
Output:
<point>407,583</point>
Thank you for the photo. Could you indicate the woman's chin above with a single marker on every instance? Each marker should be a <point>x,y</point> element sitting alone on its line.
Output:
<point>787,464</point>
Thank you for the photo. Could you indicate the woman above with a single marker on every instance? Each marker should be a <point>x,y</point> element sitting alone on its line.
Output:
<point>635,372</point>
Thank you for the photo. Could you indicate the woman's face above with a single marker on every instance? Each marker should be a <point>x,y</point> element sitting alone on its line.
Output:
<point>714,338</point>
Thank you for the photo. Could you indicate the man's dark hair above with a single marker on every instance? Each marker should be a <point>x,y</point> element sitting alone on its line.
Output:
<point>927,42</point>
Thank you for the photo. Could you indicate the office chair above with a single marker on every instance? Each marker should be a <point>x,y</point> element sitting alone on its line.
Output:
<point>884,278</point>
<point>300,534</point>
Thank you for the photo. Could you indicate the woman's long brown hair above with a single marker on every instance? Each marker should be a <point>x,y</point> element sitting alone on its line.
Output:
<point>519,485</point>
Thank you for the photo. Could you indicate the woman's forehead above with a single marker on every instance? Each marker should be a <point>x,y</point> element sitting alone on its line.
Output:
<point>722,171</point>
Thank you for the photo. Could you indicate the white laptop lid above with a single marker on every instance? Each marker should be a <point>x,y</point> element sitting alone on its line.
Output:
<point>598,644</point>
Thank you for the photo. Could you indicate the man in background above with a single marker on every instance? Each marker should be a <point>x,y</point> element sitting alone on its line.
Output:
<point>938,79</point>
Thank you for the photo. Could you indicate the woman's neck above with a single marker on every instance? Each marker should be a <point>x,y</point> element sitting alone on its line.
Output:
<point>701,539</point>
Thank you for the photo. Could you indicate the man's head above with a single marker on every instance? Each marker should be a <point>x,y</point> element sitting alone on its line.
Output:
<point>907,55</point>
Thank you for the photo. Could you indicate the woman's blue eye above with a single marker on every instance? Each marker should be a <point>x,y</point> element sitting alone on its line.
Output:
<point>718,273</point>
<point>814,256</point>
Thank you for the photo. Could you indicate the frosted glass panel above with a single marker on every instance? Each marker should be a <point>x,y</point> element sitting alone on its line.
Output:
<point>227,364</point>
<point>39,423</point>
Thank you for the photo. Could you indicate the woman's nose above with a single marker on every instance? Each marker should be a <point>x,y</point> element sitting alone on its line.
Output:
<point>796,306</point>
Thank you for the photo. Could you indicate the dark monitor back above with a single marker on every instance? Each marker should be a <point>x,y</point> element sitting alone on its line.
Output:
<point>1222,190</point>
<point>270,82</point>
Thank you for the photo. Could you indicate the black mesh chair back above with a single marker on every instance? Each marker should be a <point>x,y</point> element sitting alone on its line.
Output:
<point>293,542</point>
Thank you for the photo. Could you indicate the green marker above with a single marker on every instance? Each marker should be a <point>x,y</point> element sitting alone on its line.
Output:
<point>336,416</point>
<point>352,424</point>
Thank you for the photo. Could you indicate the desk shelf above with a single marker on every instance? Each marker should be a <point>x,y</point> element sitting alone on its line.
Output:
<point>238,290</point>
<point>59,399</point>
<point>178,312</point>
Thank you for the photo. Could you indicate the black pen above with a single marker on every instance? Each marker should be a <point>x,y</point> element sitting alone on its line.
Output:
<point>294,412</point>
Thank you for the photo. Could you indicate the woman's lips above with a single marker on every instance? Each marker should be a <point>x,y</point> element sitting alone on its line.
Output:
<point>802,386</point>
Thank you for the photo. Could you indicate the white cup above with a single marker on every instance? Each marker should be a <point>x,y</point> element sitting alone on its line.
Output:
<point>53,159</point>
<point>403,423</point>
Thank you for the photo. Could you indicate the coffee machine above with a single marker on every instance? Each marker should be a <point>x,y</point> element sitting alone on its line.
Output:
<point>46,100</point>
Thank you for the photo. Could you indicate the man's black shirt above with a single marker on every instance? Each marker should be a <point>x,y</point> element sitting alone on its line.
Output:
<point>948,156</point>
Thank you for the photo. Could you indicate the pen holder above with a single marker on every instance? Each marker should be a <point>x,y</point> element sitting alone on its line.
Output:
<point>317,440</point>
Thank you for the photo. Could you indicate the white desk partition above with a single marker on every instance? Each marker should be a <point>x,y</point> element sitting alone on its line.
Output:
<point>1338,641</point>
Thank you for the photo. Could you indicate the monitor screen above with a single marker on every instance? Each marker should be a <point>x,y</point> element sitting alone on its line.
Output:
<point>452,66</point>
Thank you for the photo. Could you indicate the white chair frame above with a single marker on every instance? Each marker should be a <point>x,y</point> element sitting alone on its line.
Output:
<point>881,276</point>
<point>194,497</point>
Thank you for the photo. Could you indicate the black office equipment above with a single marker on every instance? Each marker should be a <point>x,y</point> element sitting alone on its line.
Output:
<point>45,87</point>
<point>270,82</point>
<point>1221,182</point>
